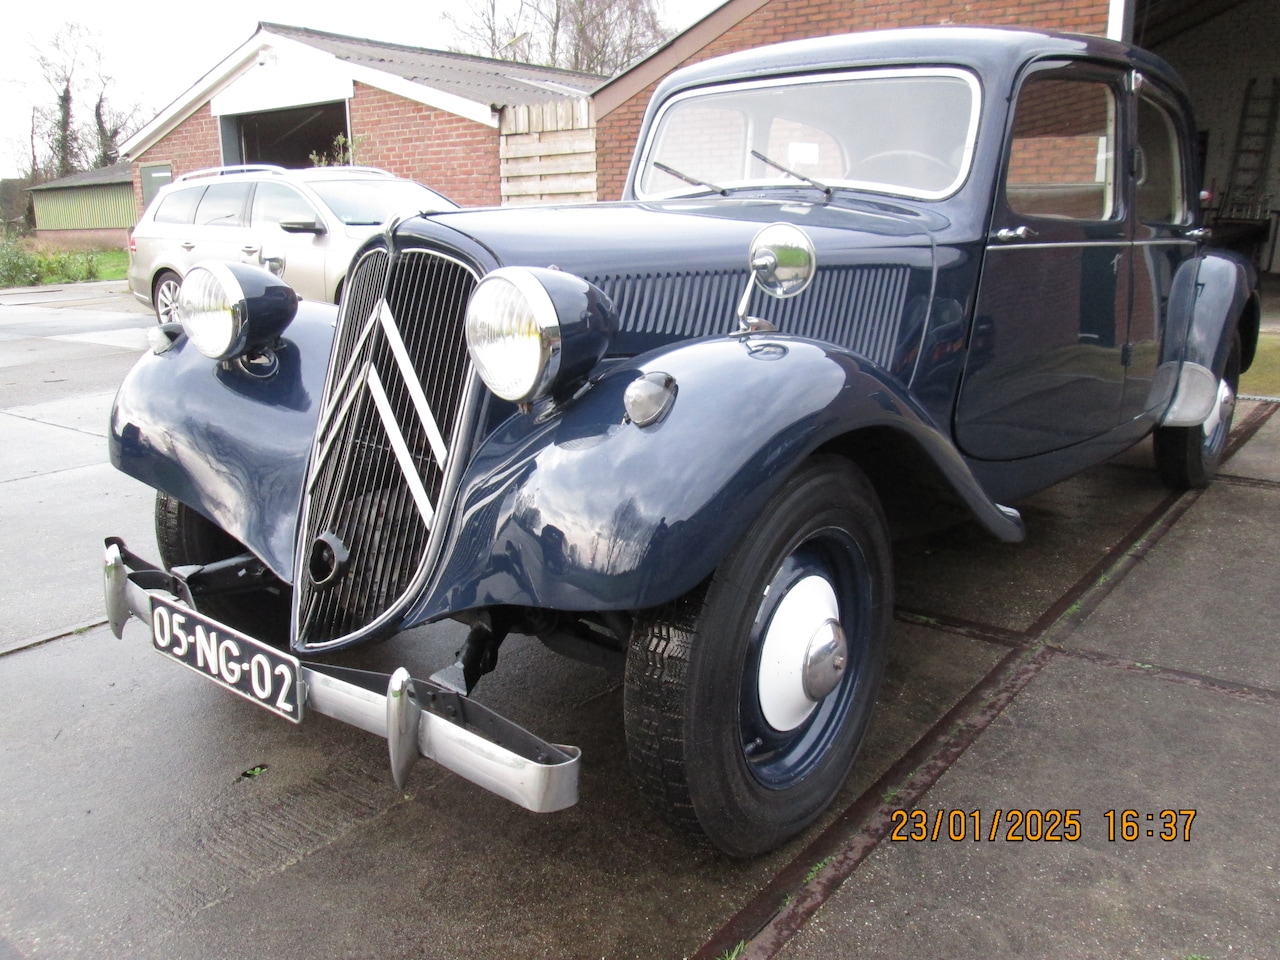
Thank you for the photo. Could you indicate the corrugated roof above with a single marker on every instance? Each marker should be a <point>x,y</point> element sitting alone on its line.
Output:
<point>479,79</point>
<point>121,172</point>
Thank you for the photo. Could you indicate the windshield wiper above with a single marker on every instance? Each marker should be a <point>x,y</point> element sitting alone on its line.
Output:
<point>791,173</point>
<point>688,179</point>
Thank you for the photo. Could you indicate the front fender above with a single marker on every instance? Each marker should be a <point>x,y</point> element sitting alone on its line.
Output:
<point>1212,296</point>
<point>581,510</point>
<point>230,444</point>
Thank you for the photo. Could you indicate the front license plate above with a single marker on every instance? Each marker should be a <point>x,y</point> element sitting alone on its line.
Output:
<point>243,665</point>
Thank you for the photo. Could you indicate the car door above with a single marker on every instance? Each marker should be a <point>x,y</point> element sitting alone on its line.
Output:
<point>1053,298</point>
<point>1164,240</point>
<point>297,257</point>
<point>219,231</point>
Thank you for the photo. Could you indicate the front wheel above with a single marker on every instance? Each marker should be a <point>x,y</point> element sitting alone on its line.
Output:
<point>1189,457</point>
<point>185,537</point>
<point>746,701</point>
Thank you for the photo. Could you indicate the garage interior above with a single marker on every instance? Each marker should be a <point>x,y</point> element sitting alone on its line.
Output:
<point>1224,50</point>
<point>285,137</point>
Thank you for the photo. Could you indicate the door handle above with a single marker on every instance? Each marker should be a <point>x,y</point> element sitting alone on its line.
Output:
<point>187,245</point>
<point>1009,234</point>
<point>1198,234</point>
<point>249,249</point>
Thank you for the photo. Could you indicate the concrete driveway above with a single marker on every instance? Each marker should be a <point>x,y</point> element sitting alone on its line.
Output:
<point>1124,658</point>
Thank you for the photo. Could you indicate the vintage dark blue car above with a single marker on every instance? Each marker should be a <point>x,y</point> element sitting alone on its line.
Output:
<point>857,285</point>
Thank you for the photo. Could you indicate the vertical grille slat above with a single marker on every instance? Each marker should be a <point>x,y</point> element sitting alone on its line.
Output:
<point>360,491</point>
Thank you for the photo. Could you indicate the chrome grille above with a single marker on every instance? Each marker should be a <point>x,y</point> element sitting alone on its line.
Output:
<point>857,307</point>
<point>394,409</point>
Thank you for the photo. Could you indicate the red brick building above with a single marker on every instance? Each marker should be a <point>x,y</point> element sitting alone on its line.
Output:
<point>288,92</point>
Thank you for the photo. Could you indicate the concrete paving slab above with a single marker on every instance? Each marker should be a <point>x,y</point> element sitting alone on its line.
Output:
<point>87,413</point>
<point>1259,459</point>
<point>965,574</point>
<point>1204,600</point>
<point>229,861</point>
<point>69,321</point>
<point>51,531</point>
<point>99,370</point>
<point>128,338</point>
<point>1087,737</point>
<point>50,355</point>
<point>33,448</point>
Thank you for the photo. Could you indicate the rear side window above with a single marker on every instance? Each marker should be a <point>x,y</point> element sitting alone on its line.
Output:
<point>1160,179</point>
<point>223,205</point>
<point>179,206</point>
<point>1062,159</point>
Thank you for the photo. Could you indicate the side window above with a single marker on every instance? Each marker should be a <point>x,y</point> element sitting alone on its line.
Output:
<point>273,202</point>
<point>223,205</point>
<point>1161,196</point>
<point>1062,158</point>
<point>179,206</point>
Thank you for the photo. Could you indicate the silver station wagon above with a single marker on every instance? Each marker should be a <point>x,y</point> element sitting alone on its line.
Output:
<point>302,225</point>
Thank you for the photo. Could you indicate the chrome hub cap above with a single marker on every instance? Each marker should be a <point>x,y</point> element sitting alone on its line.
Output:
<point>825,660</point>
<point>1220,418</point>
<point>803,656</point>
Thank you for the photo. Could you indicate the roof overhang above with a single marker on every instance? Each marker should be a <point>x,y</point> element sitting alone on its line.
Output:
<point>674,53</point>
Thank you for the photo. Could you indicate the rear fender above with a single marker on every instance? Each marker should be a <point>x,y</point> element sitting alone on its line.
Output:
<point>228,443</point>
<point>578,509</point>
<point>1213,295</point>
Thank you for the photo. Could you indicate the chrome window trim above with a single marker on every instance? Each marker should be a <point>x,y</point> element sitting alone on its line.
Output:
<point>957,73</point>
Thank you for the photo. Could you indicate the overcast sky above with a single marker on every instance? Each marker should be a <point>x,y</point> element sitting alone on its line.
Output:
<point>155,55</point>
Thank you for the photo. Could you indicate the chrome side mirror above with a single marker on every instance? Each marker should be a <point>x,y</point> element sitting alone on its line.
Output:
<point>783,262</point>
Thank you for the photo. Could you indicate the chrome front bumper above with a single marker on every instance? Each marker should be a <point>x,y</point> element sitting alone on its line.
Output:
<point>415,717</point>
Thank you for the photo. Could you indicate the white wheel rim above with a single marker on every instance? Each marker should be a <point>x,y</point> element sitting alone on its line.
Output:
<point>800,630</point>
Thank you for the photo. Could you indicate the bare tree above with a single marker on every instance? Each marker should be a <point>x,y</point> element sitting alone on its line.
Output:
<point>60,64</point>
<point>61,143</point>
<point>111,125</point>
<point>592,36</point>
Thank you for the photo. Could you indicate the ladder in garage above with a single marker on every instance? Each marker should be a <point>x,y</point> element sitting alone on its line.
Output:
<point>1251,160</point>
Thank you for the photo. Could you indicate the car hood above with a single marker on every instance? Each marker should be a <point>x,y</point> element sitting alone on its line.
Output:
<point>677,269</point>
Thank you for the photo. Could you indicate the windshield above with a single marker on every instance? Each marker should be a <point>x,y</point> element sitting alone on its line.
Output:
<point>370,201</point>
<point>907,132</point>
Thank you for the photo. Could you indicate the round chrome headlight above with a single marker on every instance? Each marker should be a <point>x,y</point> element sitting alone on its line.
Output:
<point>229,309</point>
<point>534,331</point>
<point>513,334</point>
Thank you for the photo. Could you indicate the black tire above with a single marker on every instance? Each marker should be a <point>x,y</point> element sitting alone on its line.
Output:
<point>187,537</point>
<point>1187,458</point>
<point>164,295</point>
<point>724,748</point>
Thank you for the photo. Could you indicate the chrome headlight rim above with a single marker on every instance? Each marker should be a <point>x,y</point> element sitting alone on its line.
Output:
<point>230,310</point>
<point>537,381</point>
<point>214,344</point>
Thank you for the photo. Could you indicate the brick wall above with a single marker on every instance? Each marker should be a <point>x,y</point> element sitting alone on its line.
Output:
<point>191,145</point>
<point>451,154</point>
<point>781,20</point>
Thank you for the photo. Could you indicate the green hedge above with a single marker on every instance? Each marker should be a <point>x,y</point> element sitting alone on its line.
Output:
<point>20,267</point>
